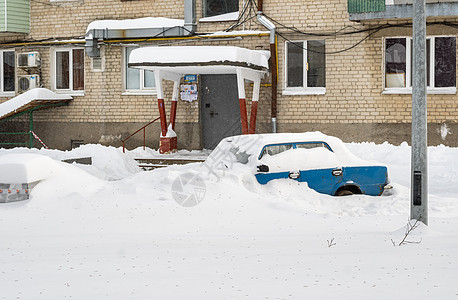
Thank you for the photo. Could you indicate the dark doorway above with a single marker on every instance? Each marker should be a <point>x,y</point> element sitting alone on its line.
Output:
<point>220,110</point>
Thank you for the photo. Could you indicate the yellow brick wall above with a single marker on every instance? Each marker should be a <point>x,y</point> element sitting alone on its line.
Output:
<point>104,99</point>
<point>353,77</point>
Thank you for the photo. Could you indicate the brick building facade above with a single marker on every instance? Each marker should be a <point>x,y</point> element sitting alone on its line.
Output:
<point>332,71</point>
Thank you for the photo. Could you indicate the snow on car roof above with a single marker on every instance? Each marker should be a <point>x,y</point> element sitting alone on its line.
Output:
<point>252,145</point>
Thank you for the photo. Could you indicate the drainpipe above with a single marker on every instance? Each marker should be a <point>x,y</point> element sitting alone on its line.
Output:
<point>273,63</point>
<point>190,24</point>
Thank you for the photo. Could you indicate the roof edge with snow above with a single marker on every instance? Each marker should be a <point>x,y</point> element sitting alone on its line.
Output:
<point>31,99</point>
<point>199,59</point>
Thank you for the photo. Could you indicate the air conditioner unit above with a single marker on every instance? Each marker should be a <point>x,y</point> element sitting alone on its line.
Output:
<point>28,82</point>
<point>28,60</point>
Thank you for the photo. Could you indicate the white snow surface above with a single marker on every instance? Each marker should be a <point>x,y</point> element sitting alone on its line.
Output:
<point>170,132</point>
<point>237,33</point>
<point>111,231</point>
<point>36,94</point>
<point>147,22</point>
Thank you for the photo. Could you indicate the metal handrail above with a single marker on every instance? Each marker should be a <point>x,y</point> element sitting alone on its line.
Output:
<point>28,144</point>
<point>144,135</point>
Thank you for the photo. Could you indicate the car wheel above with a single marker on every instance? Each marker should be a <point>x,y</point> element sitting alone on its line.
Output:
<point>344,192</point>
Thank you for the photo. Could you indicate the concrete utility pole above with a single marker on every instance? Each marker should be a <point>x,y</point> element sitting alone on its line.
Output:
<point>419,166</point>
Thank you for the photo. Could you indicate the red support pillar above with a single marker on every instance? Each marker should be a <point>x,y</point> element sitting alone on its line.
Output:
<point>160,103</point>
<point>254,113</point>
<point>243,116</point>
<point>173,113</point>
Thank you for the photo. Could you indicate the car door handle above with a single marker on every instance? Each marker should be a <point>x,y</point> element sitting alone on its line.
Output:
<point>337,172</point>
<point>294,174</point>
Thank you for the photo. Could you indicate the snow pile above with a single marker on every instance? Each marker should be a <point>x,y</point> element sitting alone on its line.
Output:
<point>108,163</point>
<point>25,168</point>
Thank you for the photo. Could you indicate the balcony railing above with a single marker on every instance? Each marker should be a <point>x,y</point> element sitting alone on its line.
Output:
<point>366,10</point>
<point>363,6</point>
<point>15,16</point>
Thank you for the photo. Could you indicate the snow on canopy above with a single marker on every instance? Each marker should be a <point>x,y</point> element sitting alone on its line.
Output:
<point>30,99</point>
<point>199,56</point>
<point>148,22</point>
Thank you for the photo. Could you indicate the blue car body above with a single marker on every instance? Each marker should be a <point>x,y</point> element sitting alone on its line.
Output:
<point>365,180</point>
<point>369,180</point>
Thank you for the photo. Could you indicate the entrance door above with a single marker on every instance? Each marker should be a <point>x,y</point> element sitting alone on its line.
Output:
<point>220,110</point>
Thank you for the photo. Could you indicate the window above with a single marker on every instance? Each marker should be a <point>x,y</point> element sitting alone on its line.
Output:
<point>312,145</point>
<point>275,149</point>
<point>7,71</point>
<point>69,70</point>
<point>306,67</point>
<point>440,64</point>
<point>137,80</point>
<point>219,7</point>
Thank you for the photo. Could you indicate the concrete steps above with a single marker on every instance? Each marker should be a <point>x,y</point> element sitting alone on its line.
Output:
<point>154,163</point>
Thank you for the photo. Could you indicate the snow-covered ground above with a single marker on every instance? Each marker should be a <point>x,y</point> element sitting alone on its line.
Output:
<point>111,231</point>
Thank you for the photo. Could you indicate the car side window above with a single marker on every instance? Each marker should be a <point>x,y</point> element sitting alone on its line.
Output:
<point>311,145</point>
<point>275,149</point>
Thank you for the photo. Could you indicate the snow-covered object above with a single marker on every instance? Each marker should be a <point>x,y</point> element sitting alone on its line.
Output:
<point>237,33</point>
<point>148,22</point>
<point>250,146</point>
<point>232,16</point>
<point>170,132</point>
<point>25,168</point>
<point>222,57</point>
<point>29,99</point>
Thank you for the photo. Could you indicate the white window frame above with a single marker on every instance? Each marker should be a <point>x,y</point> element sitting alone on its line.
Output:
<point>70,90</point>
<point>142,90</point>
<point>408,88</point>
<point>204,7</point>
<point>304,90</point>
<point>2,92</point>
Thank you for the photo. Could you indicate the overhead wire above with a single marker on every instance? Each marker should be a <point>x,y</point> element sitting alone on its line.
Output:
<point>249,12</point>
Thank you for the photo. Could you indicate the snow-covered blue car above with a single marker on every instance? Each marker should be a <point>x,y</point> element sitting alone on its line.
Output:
<point>322,161</point>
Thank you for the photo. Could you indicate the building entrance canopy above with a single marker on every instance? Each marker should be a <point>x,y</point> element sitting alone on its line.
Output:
<point>171,63</point>
<point>199,59</point>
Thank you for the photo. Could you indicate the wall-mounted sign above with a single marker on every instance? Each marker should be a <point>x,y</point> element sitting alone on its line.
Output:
<point>190,78</point>
<point>188,92</point>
